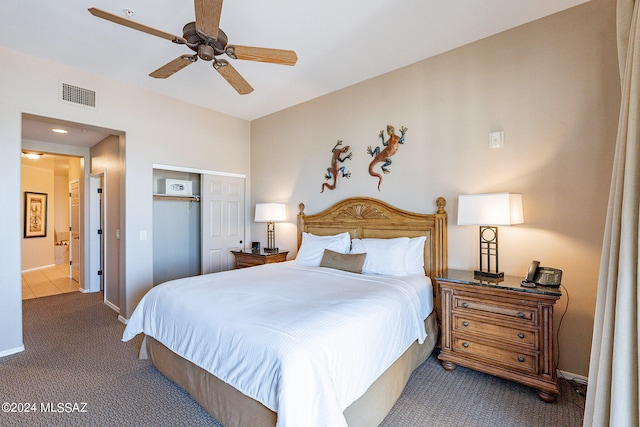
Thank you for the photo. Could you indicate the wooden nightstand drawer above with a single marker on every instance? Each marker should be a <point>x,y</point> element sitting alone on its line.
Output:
<point>251,259</point>
<point>512,310</point>
<point>525,338</point>
<point>522,361</point>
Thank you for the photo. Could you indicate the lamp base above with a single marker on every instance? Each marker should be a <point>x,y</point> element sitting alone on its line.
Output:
<point>271,250</point>
<point>497,276</point>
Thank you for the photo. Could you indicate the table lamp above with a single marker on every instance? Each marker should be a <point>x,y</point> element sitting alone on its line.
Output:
<point>270,213</point>
<point>489,211</point>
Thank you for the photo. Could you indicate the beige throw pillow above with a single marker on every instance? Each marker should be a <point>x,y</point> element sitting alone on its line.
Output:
<point>346,262</point>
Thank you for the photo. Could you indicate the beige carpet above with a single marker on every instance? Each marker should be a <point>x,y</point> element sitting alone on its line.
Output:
<point>76,364</point>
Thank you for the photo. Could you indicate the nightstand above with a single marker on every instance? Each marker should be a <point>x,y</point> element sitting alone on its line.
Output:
<point>250,259</point>
<point>500,328</point>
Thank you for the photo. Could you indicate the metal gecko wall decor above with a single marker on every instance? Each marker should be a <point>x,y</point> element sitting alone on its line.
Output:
<point>391,146</point>
<point>335,169</point>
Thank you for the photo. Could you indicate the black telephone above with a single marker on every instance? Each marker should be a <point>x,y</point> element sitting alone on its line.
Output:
<point>542,276</point>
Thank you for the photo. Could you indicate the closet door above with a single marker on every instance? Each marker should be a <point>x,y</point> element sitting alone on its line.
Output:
<point>223,221</point>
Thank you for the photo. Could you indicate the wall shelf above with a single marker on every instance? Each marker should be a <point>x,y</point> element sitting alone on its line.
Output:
<point>194,198</point>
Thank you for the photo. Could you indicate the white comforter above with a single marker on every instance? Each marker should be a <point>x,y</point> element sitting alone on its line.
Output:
<point>288,336</point>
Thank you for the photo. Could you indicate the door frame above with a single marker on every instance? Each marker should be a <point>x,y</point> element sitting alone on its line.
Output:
<point>82,283</point>
<point>84,153</point>
<point>97,242</point>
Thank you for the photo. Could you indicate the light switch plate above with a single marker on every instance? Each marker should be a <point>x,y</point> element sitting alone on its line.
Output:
<point>496,139</point>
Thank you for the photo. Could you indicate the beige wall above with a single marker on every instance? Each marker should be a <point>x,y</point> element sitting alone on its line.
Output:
<point>551,85</point>
<point>105,160</point>
<point>38,252</point>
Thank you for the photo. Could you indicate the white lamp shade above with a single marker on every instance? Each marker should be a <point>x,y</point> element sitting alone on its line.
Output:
<point>270,212</point>
<point>490,209</point>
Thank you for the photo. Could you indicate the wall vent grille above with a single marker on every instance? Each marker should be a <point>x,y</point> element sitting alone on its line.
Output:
<point>78,95</point>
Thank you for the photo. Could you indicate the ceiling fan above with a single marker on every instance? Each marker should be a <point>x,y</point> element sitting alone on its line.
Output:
<point>208,41</point>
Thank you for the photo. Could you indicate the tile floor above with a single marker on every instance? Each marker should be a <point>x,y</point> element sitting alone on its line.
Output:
<point>47,281</point>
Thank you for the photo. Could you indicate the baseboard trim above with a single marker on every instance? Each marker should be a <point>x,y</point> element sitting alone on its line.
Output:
<point>12,351</point>
<point>112,306</point>
<point>123,320</point>
<point>573,377</point>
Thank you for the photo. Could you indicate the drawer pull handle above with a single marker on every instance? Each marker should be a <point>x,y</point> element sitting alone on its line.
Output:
<point>465,323</point>
<point>465,305</point>
<point>465,344</point>
<point>520,335</point>
<point>520,359</point>
<point>520,315</point>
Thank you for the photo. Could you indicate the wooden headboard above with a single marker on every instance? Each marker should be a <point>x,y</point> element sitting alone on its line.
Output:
<point>364,217</point>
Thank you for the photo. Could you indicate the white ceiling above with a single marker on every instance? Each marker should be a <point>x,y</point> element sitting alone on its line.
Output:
<point>41,129</point>
<point>338,42</point>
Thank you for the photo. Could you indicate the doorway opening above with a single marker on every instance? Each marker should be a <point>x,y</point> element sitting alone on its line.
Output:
<point>98,151</point>
<point>50,256</point>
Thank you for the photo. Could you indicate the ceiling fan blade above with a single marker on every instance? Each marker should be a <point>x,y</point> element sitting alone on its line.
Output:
<point>208,16</point>
<point>262,54</point>
<point>232,76</point>
<point>174,66</point>
<point>135,25</point>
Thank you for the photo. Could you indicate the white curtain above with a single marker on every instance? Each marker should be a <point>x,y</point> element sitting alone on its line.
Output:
<point>614,387</point>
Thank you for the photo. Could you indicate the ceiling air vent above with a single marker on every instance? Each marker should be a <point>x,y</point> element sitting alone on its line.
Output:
<point>77,95</point>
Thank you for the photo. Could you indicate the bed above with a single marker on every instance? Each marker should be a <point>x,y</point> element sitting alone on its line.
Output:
<point>228,399</point>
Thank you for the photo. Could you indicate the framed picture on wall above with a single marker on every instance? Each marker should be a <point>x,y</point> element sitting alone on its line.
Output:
<point>35,214</point>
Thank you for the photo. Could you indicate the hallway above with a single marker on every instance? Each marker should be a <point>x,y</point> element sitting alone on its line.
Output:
<point>48,281</point>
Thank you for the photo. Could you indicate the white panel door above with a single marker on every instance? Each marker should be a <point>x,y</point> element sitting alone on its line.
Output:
<point>223,220</point>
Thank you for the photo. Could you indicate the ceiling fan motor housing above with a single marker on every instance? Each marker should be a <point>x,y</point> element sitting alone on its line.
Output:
<point>207,47</point>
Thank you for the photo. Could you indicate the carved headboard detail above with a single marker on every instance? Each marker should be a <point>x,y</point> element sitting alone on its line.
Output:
<point>365,217</point>
<point>361,212</point>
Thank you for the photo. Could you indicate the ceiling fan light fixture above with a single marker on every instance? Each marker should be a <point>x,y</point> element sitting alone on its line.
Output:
<point>206,52</point>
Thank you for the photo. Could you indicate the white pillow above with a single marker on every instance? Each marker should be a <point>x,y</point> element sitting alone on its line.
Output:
<point>414,259</point>
<point>312,247</point>
<point>384,256</point>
